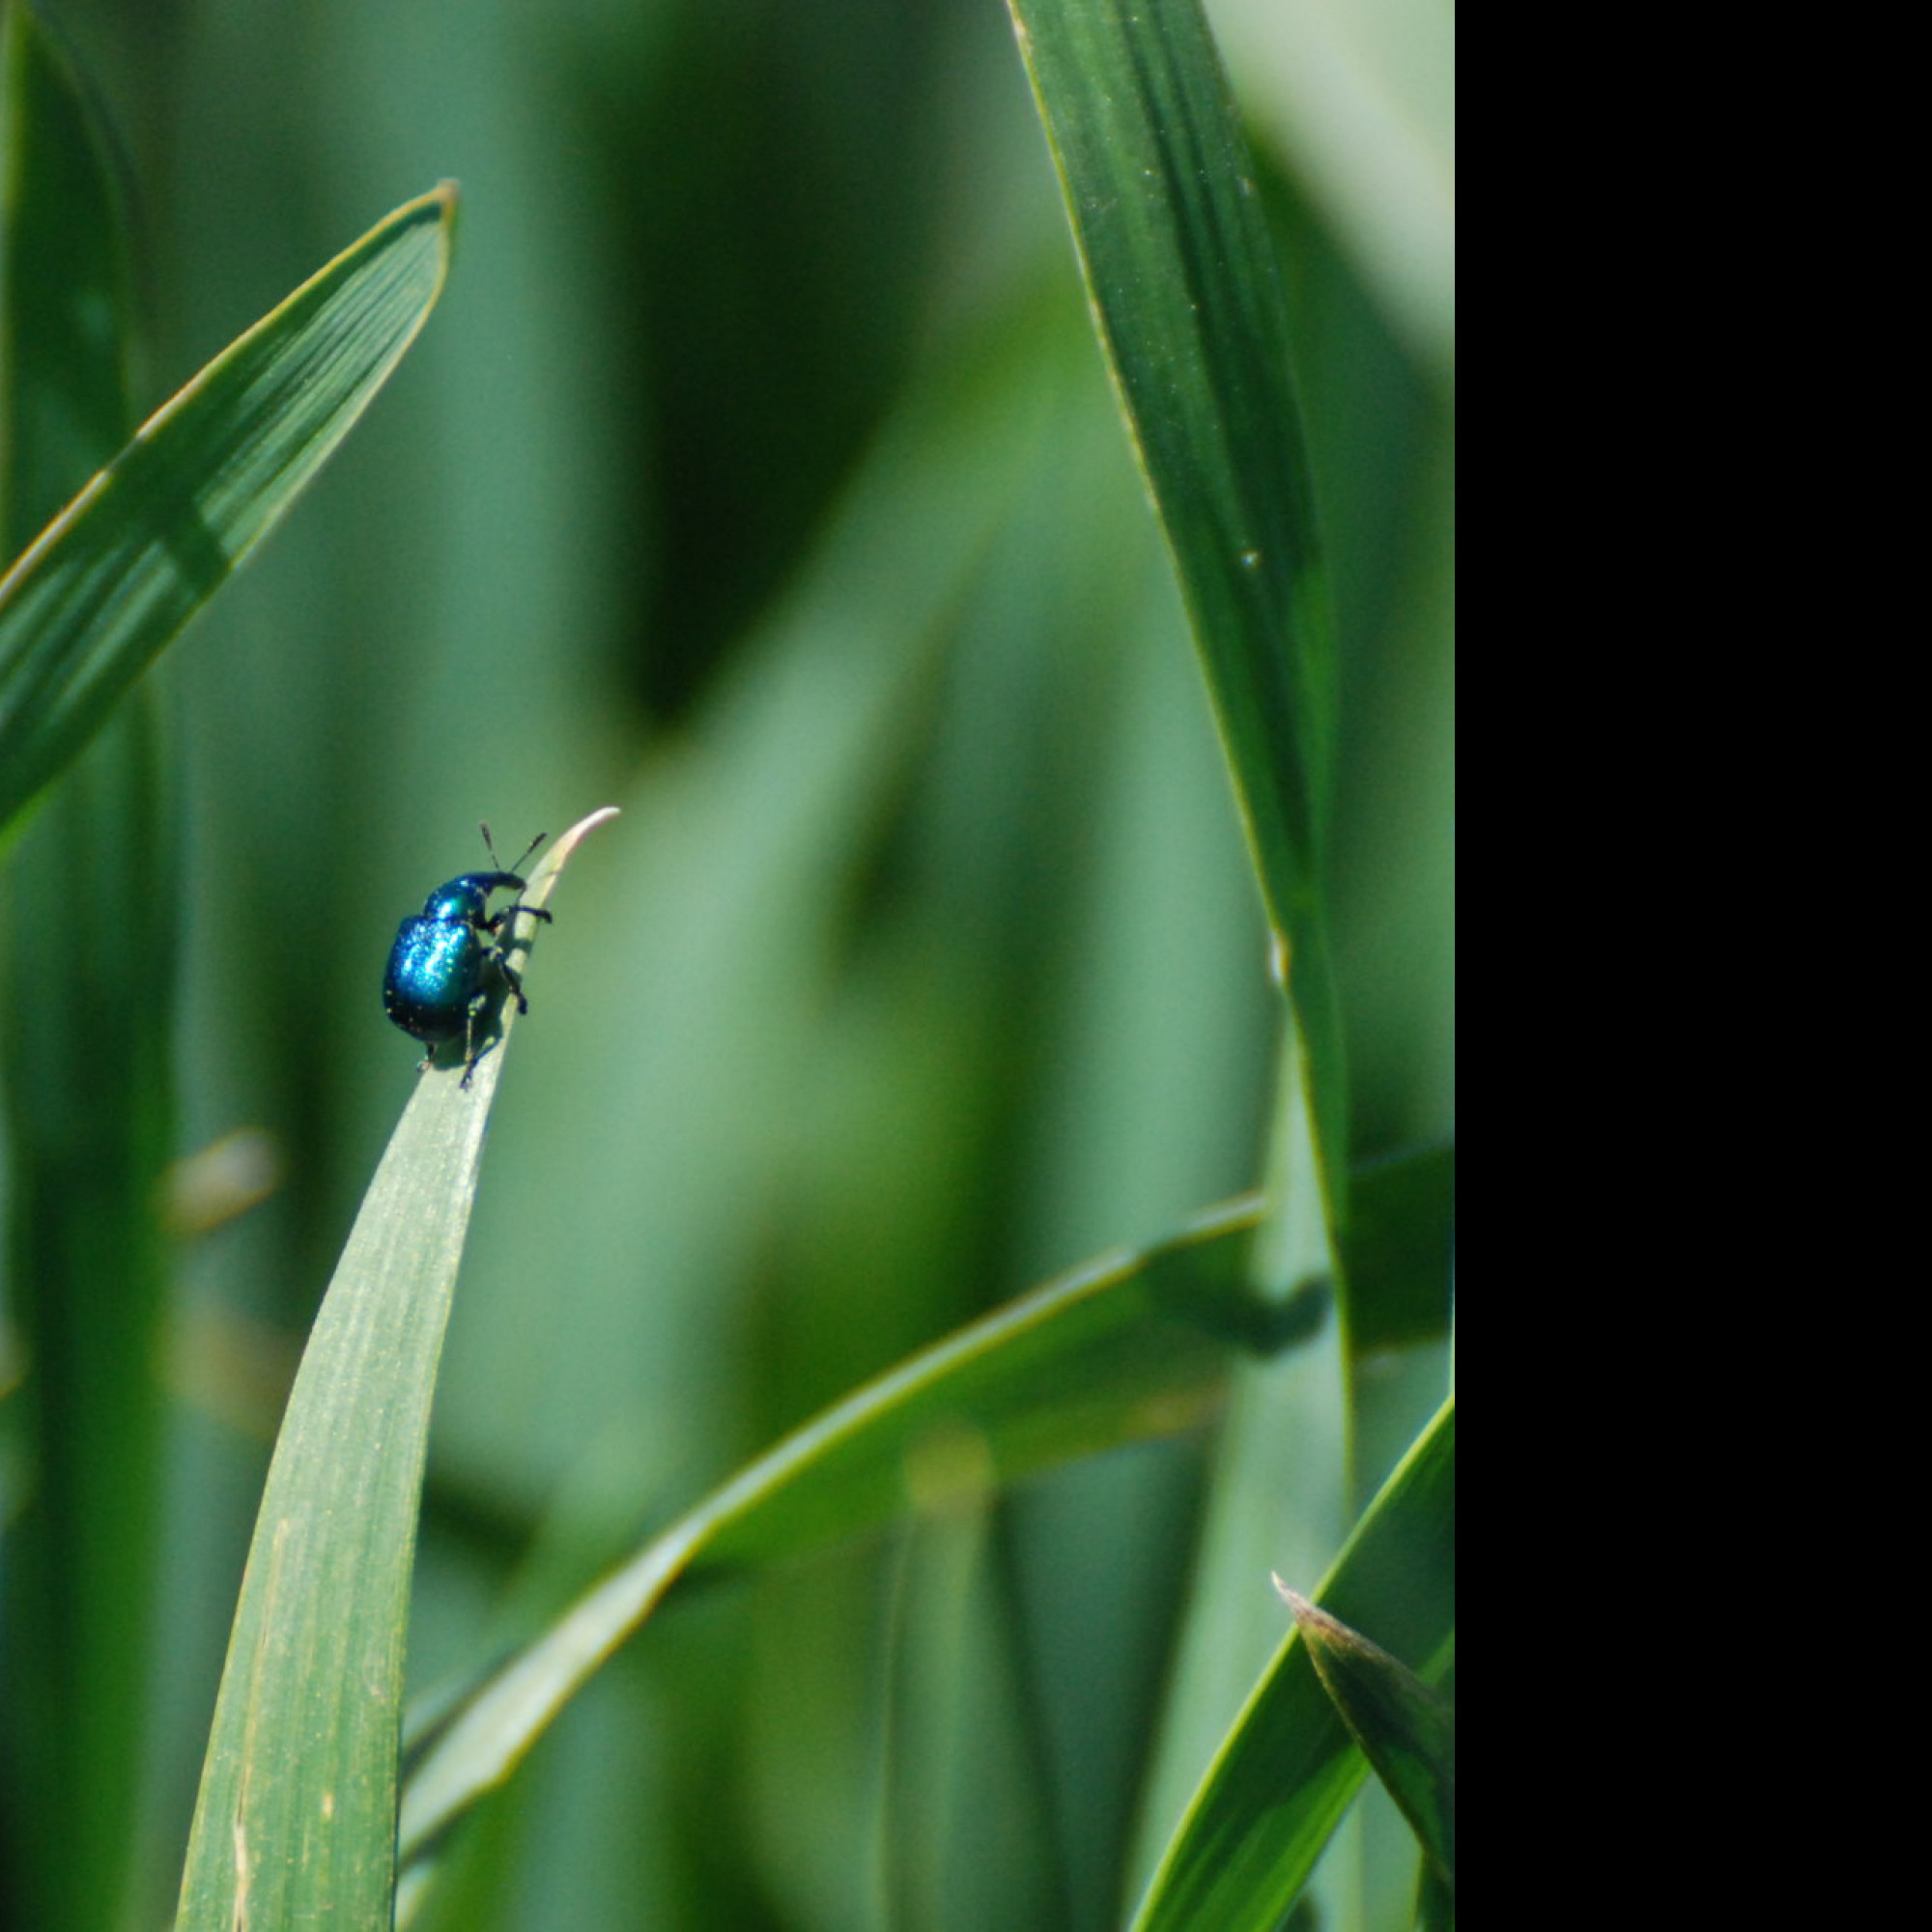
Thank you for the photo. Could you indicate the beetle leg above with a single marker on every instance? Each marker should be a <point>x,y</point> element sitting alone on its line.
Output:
<point>513,979</point>
<point>502,927</point>
<point>477,1002</point>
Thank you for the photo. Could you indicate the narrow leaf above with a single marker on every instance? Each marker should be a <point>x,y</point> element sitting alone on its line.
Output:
<point>1188,295</point>
<point>64,308</point>
<point>1289,1767</point>
<point>1131,1347</point>
<point>1408,1732</point>
<point>156,532</point>
<point>1434,1902</point>
<point>295,1820</point>
<point>85,1069</point>
<point>1400,1250</point>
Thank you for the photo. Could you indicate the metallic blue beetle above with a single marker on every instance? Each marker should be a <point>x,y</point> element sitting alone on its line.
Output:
<point>441,966</point>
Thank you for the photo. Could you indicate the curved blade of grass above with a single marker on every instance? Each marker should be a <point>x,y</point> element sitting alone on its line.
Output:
<point>1186,293</point>
<point>157,531</point>
<point>296,1820</point>
<point>1289,1767</point>
<point>1134,1346</point>
<point>1406,1732</point>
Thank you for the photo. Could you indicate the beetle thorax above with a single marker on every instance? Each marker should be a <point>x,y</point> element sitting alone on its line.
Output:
<point>461,900</point>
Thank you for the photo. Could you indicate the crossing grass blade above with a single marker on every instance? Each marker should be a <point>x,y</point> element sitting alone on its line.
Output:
<point>1134,1346</point>
<point>295,1820</point>
<point>1186,294</point>
<point>1405,1729</point>
<point>118,573</point>
<point>1289,1767</point>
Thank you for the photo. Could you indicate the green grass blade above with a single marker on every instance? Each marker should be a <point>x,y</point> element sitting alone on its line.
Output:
<point>1435,1903</point>
<point>296,1819</point>
<point>85,1066</point>
<point>86,1077</point>
<point>1188,295</point>
<point>64,407</point>
<point>154,535</point>
<point>1405,1729</point>
<point>1400,1249</point>
<point>1134,1346</point>
<point>1289,1767</point>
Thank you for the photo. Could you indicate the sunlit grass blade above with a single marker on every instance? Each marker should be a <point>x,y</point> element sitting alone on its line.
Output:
<point>1188,295</point>
<point>155,534</point>
<point>1289,1767</point>
<point>295,1818</point>
<point>1405,1729</point>
<point>1134,1346</point>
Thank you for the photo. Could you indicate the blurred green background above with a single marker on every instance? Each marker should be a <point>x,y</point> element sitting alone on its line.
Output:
<point>757,473</point>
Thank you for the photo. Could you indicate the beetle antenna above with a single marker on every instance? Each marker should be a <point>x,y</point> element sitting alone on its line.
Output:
<point>490,845</point>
